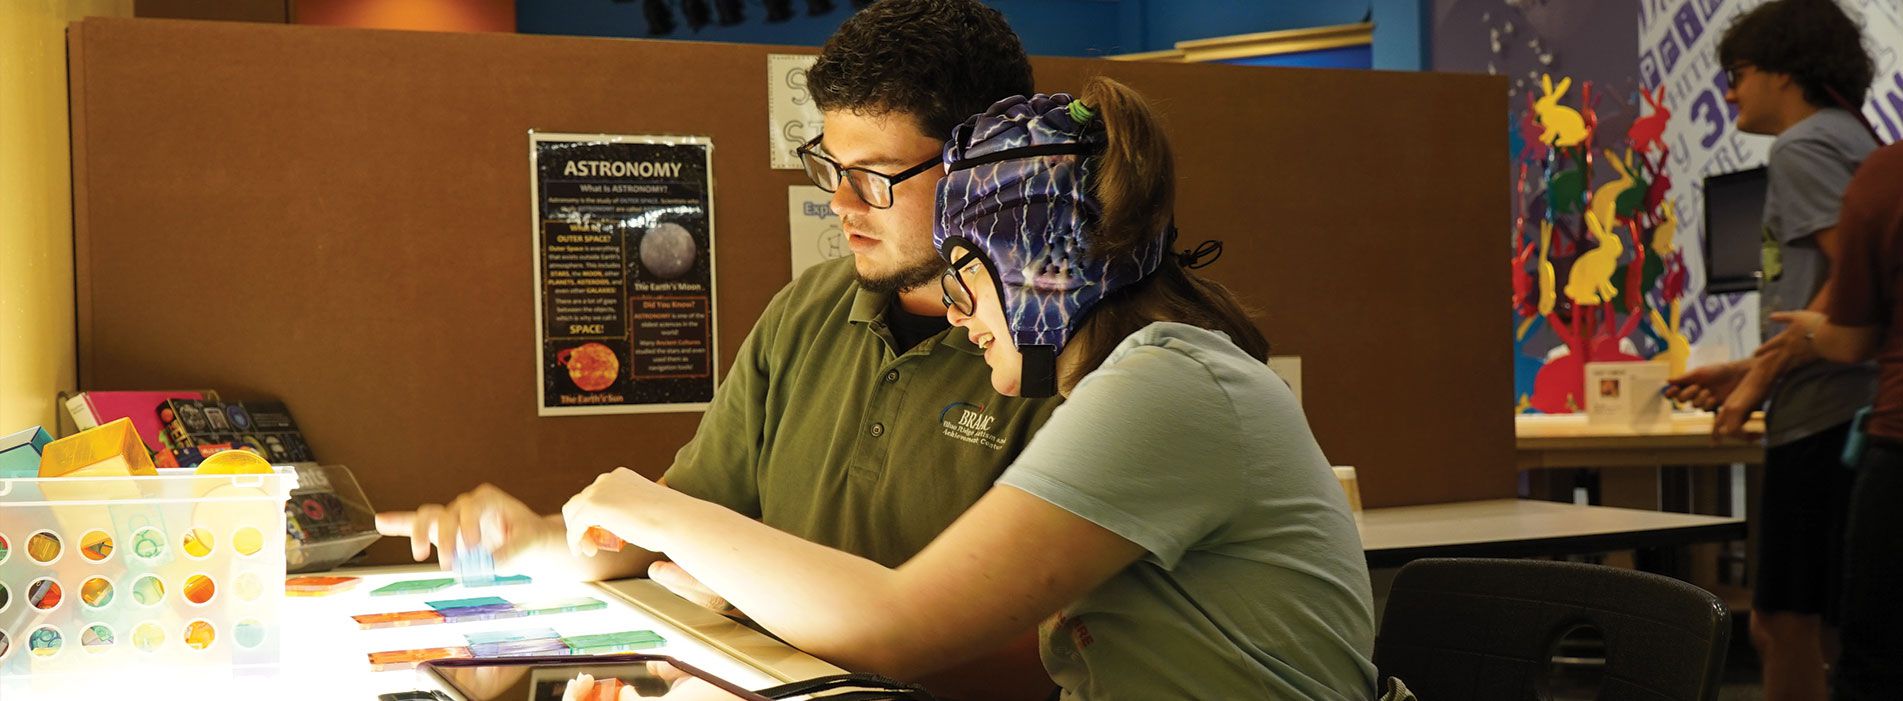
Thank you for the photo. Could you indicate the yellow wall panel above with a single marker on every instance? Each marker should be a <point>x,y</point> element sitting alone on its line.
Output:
<point>36,211</point>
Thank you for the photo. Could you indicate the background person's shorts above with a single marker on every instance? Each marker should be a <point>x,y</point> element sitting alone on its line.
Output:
<point>1801,517</point>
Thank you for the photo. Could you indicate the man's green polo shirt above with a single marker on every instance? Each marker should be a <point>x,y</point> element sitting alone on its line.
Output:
<point>821,430</point>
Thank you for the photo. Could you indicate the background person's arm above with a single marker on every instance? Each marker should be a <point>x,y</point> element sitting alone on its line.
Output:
<point>1838,344</point>
<point>1847,344</point>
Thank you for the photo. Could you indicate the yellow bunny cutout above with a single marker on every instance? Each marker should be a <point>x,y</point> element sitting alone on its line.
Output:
<point>1605,199</point>
<point>1548,278</point>
<point>1665,234</point>
<point>1678,350</point>
<point>1590,282</point>
<point>1564,126</point>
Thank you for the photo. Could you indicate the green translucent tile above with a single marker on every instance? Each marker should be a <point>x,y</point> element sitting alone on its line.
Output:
<point>413,586</point>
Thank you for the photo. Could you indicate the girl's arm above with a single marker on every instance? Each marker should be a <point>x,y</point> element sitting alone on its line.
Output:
<point>1006,564</point>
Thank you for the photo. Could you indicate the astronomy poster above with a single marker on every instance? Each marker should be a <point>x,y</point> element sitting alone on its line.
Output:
<point>624,273</point>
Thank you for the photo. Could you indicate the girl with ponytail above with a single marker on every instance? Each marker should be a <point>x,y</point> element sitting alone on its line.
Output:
<point>1172,532</point>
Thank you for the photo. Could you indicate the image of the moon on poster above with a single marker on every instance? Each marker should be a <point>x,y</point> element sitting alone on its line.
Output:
<point>667,250</point>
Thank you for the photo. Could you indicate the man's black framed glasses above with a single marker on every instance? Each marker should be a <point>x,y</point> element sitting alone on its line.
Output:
<point>872,186</point>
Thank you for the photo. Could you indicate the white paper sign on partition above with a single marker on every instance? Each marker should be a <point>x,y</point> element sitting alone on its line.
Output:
<point>792,118</point>
<point>816,236</point>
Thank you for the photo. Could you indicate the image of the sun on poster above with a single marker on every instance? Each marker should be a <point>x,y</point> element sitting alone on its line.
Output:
<point>624,273</point>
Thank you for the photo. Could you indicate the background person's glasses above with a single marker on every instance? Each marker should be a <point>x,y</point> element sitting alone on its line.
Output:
<point>872,186</point>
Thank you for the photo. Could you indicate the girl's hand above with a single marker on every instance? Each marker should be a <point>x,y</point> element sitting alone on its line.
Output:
<point>621,502</point>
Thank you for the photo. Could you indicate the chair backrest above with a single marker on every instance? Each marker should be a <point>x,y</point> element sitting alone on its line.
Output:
<point>1486,629</point>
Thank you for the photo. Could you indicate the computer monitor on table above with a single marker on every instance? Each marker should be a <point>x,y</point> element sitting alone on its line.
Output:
<point>1734,231</point>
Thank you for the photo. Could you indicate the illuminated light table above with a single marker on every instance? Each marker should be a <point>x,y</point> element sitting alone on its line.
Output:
<point>326,653</point>
<point>324,643</point>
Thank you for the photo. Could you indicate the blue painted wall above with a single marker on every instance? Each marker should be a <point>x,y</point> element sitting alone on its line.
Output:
<point>1401,31</point>
<point>1165,22</point>
<point>1344,57</point>
<point>1047,27</point>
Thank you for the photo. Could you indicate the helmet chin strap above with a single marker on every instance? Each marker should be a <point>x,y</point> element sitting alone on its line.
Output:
<point>1039,372</point>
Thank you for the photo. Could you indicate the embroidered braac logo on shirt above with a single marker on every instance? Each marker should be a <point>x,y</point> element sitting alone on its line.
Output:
<point>968,422</point>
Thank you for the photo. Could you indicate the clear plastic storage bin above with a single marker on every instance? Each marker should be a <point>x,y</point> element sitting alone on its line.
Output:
<point>178,571</point>
<point>330,519</point>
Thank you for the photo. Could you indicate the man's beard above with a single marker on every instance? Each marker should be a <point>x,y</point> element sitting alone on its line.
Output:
<point>914,274</point>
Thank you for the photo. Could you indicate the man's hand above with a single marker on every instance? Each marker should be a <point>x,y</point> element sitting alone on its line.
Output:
<point>1744,399</point>
<point>1795,345</point>
<point>1800,327</point>
<point>485,515</point>
<point>1709,386</point>
<point>1805,319</point>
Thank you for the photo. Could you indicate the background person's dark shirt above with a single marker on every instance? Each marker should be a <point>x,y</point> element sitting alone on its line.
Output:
<point>1867,284</point>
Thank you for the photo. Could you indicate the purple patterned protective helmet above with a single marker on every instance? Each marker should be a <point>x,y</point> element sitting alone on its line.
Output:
<point>1019,191</point>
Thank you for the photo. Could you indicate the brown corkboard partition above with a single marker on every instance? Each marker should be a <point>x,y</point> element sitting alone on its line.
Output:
<point>340,218</point>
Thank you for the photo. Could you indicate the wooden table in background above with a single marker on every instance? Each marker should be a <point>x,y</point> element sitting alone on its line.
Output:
<point>1644,470</point>
<point>1526,528</point>
<point>1666,470</point>
<point>1565,440</point>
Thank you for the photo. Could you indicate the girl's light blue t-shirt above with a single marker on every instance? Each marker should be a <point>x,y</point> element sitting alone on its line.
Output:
<point>1254,585</point>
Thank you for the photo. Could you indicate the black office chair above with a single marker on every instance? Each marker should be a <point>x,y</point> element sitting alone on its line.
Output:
<point>1480,630</point>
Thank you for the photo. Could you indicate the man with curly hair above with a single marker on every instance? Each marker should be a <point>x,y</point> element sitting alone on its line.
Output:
<point>1798,71</point>
<point>854,416</point>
